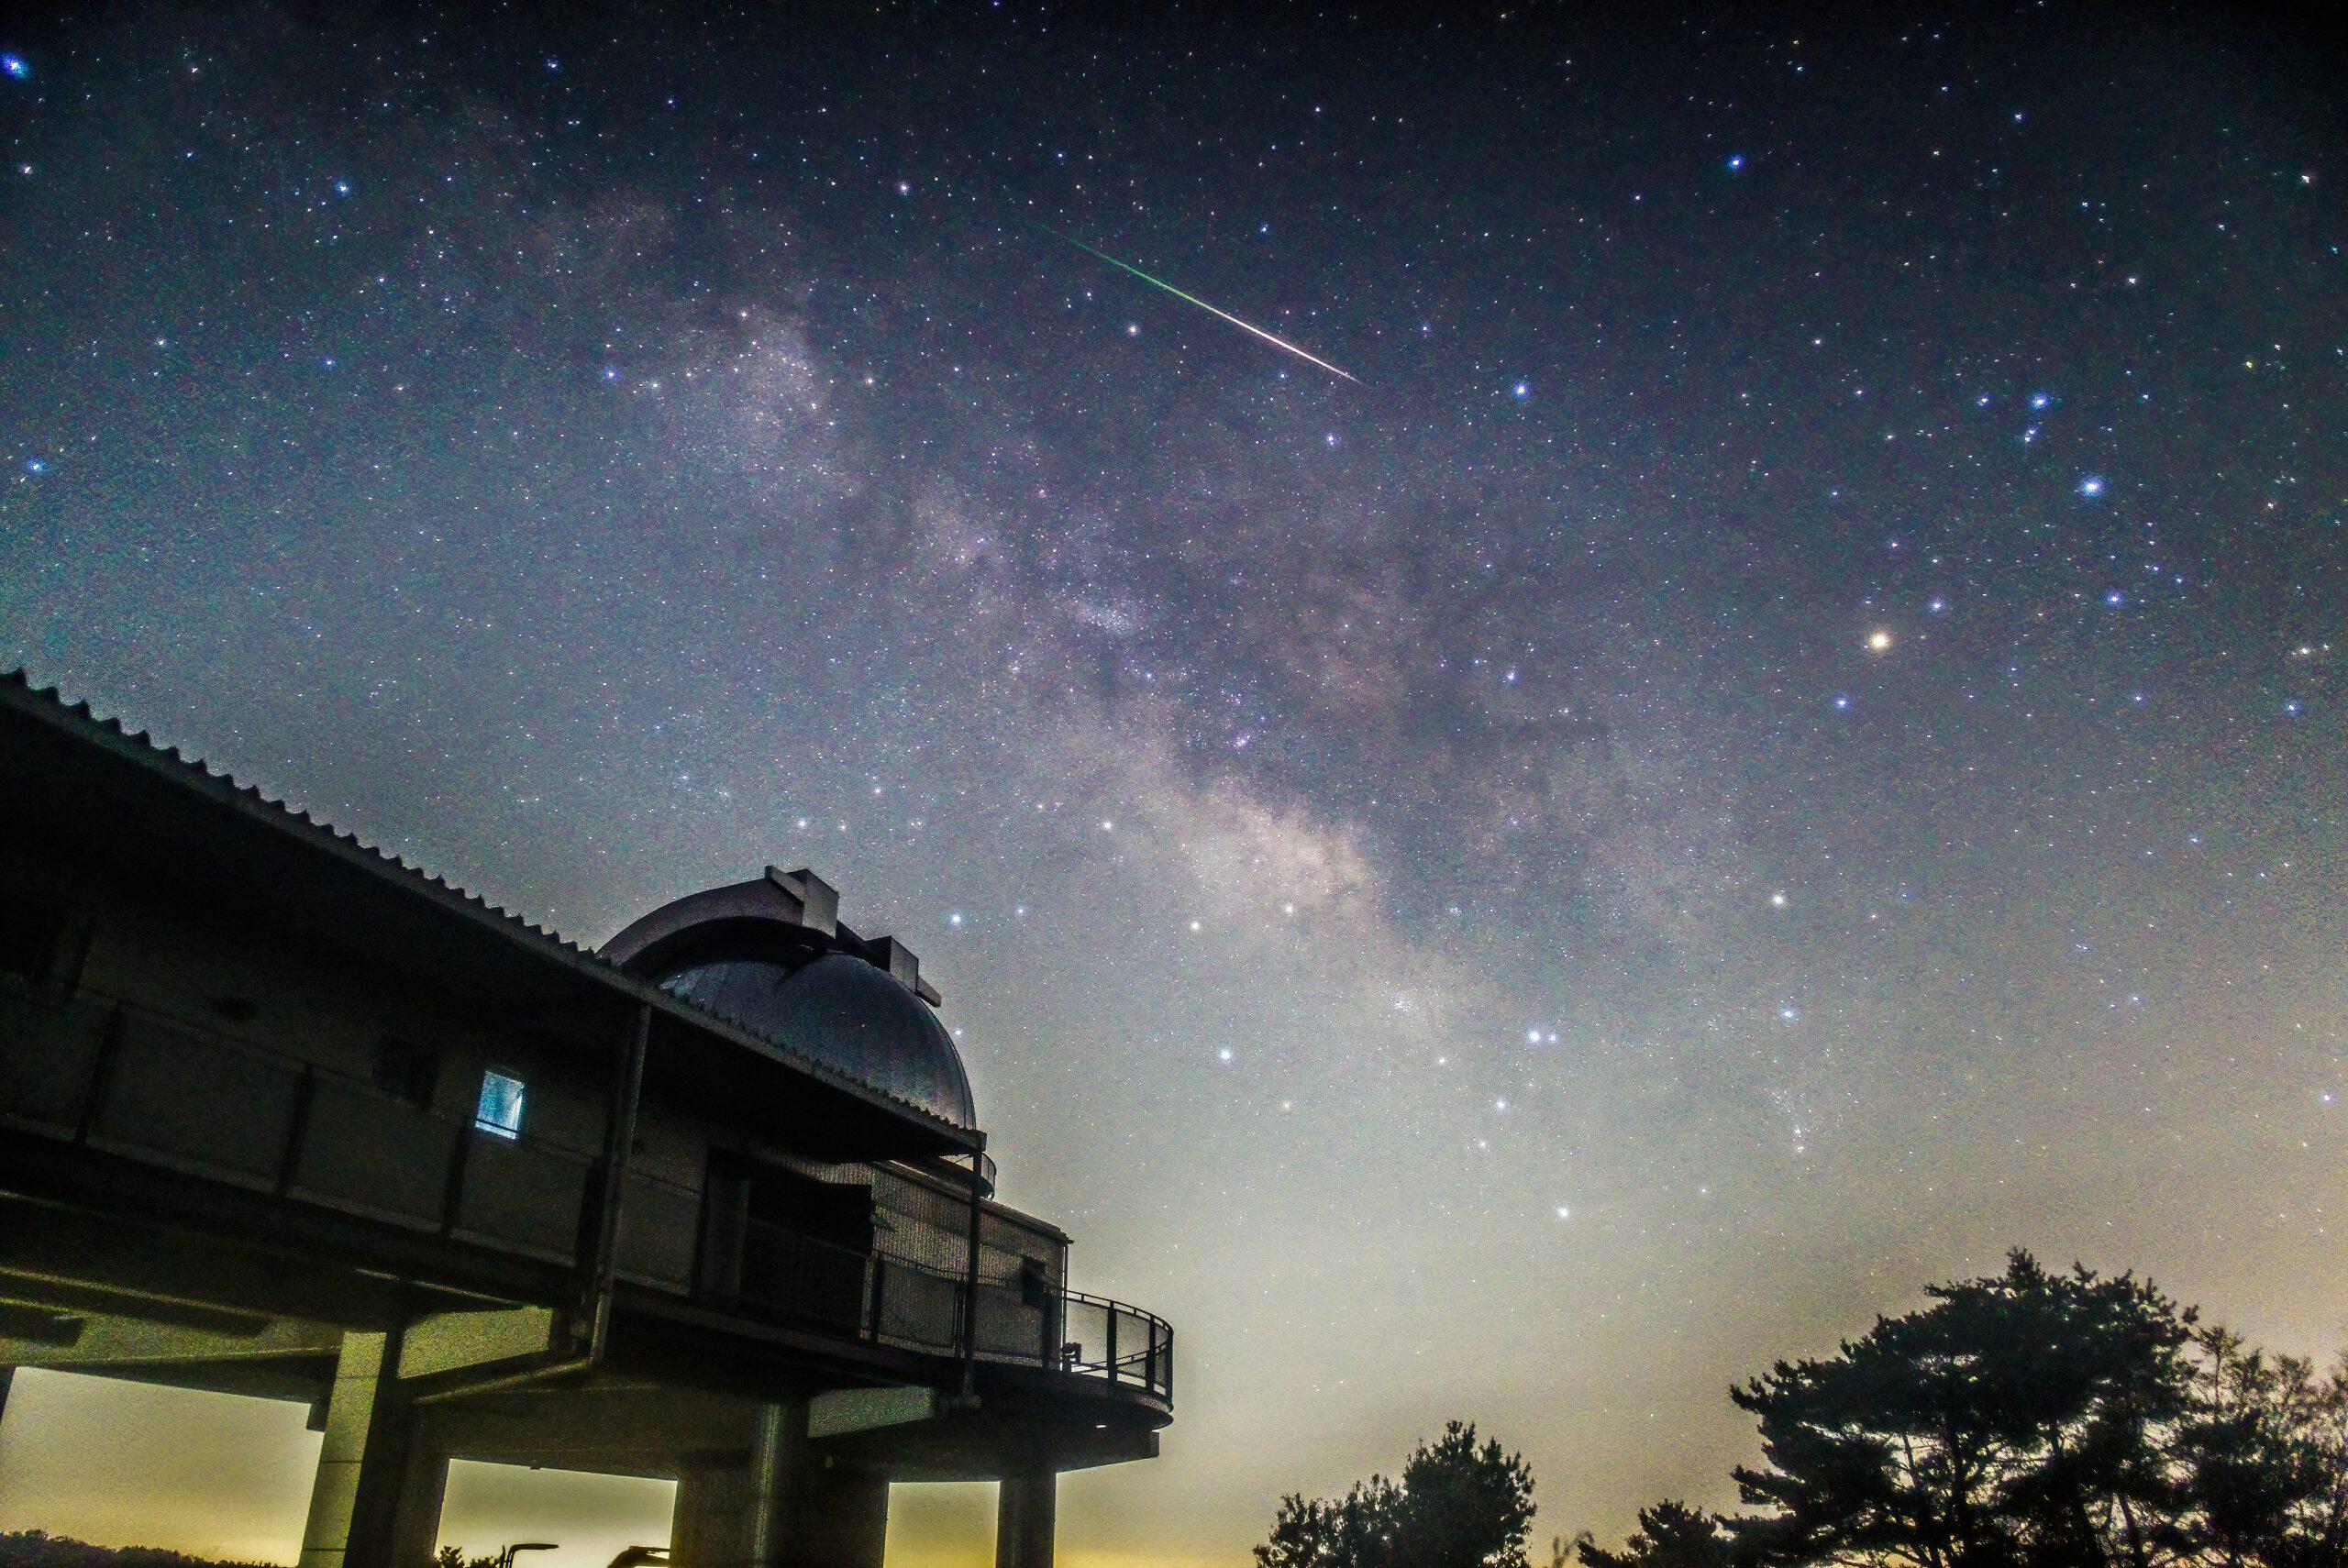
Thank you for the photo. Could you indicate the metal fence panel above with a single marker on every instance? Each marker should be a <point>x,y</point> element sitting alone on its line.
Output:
<point>660,1232</point>
<point>196,1101</point>
<point>47,1056</point>
<point>363,1150</point>
<point>525,1194</point>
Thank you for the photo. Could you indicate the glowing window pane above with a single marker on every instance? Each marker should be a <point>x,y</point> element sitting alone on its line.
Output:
<point>500,1110</point>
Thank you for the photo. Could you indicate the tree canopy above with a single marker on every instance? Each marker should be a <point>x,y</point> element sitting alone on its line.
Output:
<point>2031,1418</point>
<point>1458,1504</point>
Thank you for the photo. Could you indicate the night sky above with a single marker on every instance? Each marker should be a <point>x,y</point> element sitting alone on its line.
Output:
<point>1784,737</point>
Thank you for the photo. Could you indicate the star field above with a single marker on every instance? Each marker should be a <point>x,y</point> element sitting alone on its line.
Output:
<point>1786,738</point>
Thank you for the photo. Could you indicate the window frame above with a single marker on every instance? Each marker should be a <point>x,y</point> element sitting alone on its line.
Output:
<point>482,1120</point>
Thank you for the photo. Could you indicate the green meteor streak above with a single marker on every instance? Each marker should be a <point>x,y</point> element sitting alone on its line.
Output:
<point>1244,326</point>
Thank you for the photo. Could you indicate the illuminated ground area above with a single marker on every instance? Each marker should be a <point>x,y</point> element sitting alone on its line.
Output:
<point>107,1461</point>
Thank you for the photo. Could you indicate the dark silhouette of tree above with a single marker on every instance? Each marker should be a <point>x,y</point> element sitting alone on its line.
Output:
<point>1670,1535</point>
<point>2029,1420</point>
<point>2264,1459</point>
<point>1457,1505</point>
<point>2019,1419</point>
<point>38,1548</point>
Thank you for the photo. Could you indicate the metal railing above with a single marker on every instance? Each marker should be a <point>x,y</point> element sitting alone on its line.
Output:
<point>1111,1340</point>
<point>131,1080</point>
<point>891,1300</point>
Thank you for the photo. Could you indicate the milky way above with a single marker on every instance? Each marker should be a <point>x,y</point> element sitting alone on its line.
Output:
<point>1786,737</point>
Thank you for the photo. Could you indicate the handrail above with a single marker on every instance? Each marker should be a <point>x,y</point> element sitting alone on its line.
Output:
<point>1127,1308</point>
<point>102,1002</point>
<point>1019,1317</point>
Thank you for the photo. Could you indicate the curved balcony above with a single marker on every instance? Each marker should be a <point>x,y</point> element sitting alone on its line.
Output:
<point>882,1299</point>
<point>1120,1343</point>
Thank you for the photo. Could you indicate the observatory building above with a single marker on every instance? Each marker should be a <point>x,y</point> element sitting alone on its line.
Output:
<point>282,1116</point>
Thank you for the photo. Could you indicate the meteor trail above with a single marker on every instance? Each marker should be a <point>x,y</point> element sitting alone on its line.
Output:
<point>1280,343</point>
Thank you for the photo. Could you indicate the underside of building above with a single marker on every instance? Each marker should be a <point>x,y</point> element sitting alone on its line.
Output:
<point>282,1116</point>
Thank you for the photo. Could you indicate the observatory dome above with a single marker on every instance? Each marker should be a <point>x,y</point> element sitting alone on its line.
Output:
<point>772,955</point>
<point>844,1013</point>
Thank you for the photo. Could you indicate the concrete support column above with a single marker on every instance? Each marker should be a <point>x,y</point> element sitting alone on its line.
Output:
<point>840,1519</point>
<point>376,1501</point>
<point>777,1504</point>
<point>1025,1517</point>
<point>735,1513</point>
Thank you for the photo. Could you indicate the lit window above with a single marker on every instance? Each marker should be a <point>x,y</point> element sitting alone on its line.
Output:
<point>501,1104</point>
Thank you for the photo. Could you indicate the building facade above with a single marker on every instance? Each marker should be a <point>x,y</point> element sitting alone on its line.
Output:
<point>280,1115</point>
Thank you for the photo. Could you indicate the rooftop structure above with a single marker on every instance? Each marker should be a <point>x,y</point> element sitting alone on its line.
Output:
<point>281,1115</point>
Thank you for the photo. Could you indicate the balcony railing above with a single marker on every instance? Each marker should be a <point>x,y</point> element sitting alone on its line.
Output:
<point>891,1300</point>
<point>133,1081</point>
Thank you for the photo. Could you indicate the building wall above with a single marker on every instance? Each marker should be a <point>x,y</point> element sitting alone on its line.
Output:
<point>237,1048</point>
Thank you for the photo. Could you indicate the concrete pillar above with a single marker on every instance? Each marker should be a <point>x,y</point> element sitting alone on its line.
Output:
<point>1024,1518</point>
<point>777,1504</point>
<point>703,1527</point>
<point>734,1512</point>
<point>376,1500</point>
<point>840,1519</point>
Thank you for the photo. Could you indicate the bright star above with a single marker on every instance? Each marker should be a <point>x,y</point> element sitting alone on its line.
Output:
<point>1879,641</point>
<point>13,64</point>
<point>2091,486</point>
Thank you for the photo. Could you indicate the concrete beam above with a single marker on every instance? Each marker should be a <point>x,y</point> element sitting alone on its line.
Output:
<point>125,1344</point>
<point>447,1342</point>
<point>838,1411</point>
<point>611,1427</point>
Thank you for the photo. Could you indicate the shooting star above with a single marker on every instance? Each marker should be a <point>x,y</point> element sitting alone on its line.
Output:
<point>1280,343</point>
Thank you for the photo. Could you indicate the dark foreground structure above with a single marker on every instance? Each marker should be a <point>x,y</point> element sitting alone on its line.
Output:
<point>281,1116</point>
